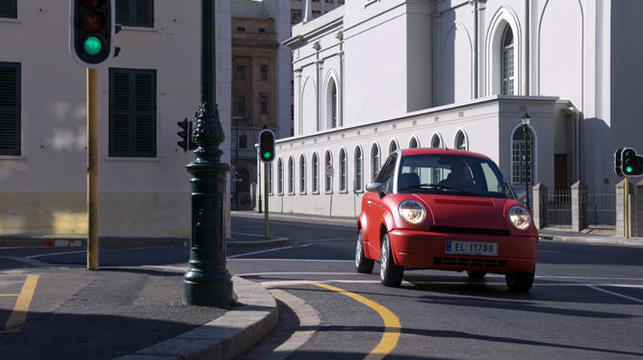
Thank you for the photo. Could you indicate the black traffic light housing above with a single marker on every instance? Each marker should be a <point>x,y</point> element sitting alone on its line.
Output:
<point>184,134</point>
<point>266,145</point>
<point>632,164</point>
<point>92,29</point>
<point>618,162</point>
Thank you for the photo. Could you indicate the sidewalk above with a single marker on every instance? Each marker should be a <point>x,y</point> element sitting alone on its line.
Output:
<point>547,234</point>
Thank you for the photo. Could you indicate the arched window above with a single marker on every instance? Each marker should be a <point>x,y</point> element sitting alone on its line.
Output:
<point>521,156</point>
<point>461,142</point>
<point>280,177</point>
<point>328,170</point>
<point>358,168</point>
<point>392,147</point>
<point>332,104</point>
<point>413,143</point>
<point>291,175</point>
<point>507,64</point>
<point>343,167</point>
<point>315,166</point>
<point>375,160</point>
<point>436,141</point>
<point>302,173</point>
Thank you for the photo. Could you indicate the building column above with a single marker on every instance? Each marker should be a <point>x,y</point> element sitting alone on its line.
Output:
<point>540,205</point>
<point>579,206</point>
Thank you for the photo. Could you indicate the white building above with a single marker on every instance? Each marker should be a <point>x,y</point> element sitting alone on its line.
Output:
<point>377,75</point>
<point>152,84</point>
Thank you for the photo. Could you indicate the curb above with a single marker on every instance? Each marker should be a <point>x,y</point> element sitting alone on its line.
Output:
<point>33,241</point>
<point>592,240</point>
<point>226,337</point>
<point>297,218</point>
<point>278,241</point>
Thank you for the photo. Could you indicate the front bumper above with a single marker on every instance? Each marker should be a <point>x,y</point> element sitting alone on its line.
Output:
<point>426,250</point>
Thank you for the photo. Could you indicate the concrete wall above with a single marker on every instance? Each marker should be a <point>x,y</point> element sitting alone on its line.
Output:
<point>43,189</point>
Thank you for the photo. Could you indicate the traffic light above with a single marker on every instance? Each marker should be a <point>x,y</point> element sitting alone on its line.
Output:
<point>267,145</point>
<point>92,29</point>
<point>184,134</point>
<point>191,144</point>
<point>618,162</point>
<point>632,164</point>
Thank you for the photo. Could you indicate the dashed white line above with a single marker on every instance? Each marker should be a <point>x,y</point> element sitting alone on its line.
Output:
<point>615,294</point>
<point>55,254</point>
<point>268,250</point>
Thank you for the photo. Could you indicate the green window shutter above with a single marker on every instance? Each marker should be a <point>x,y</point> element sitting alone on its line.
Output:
<point>9,109</point>
<point>145,113</point>
<point>123,12</point>
<point>144,13</point>
<point>132,117</point>
<point>8,9</point>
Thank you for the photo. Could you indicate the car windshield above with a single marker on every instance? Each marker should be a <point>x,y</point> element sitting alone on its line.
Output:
<point>450,175</point>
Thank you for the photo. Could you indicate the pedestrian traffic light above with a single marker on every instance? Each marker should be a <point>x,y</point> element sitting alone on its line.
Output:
<point>632,164</point>
<point>184,134</point>
<point>267,145</point>
<point>92,29</point>
<point>618,162</point>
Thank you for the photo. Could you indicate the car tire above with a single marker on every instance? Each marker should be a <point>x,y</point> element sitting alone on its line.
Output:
<point>520,282</point>
<point>476,275</point>
<point>390,274</point>
<point>362,263</point>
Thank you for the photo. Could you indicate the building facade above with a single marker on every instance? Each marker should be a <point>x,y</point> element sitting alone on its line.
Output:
<point>152,84</point>
<point>374,76</point>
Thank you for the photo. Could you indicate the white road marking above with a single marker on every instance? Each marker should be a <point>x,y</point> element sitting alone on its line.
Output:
<point>300,273</point>
<point>268,250</point>
<point>298,260</point>
<point>248,234</point>
<point>340,281</point>
<point>615,294</point>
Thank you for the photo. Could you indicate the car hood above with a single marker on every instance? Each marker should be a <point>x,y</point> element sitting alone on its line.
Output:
<point>465,211</point>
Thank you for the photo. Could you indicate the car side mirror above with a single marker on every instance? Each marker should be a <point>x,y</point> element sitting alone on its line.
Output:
<point>376,188</point>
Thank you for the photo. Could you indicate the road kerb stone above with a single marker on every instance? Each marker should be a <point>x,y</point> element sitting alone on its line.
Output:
<point>226,337</point>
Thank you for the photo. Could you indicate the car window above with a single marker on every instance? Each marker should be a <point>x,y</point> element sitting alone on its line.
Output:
<point>450,174</point>
<point>386,174</point>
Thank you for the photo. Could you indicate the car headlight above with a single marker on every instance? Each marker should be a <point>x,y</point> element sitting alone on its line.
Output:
<point>412,211</point>
<point>519,217</point>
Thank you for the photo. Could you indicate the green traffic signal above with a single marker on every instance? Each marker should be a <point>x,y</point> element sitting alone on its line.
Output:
<point>92,46</point>
<point>628,169</point>
<point>266,155</point>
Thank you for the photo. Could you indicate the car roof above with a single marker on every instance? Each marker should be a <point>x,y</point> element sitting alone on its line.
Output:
<point>442,151</point>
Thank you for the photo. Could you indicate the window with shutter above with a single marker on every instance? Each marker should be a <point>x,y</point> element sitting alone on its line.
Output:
<point>138,13</point>
<point>9,9</point>
<point>10,109</point>
<point>132,116</point>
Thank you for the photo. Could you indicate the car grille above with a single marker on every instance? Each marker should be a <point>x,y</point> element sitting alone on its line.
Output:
<point>473,262</point>
<point>453,229</point>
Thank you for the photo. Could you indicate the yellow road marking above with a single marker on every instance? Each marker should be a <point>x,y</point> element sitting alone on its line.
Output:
<point>392,324</point>
<point>19,314</point>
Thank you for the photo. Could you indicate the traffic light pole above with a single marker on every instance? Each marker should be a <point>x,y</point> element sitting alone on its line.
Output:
<point>265,199</point>
<point>92,169</point>
<point>627,208</point>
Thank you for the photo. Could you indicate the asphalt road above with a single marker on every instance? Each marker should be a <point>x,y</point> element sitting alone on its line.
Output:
<point>587,300</point>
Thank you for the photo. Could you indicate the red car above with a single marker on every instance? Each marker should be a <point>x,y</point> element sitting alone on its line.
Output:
<point>445,209</point>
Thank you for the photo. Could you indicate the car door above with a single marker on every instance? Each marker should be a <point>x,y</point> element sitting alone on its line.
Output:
<point>376,208</point>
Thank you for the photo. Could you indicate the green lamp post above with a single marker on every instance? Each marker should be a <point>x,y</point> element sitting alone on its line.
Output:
<point>207,282</point>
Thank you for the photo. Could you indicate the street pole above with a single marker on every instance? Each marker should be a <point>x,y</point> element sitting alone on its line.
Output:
<point>92,169</point>
<point>207,282</point>
<point>627,208</point>
<point>524,158</point>
<point>265,199</point>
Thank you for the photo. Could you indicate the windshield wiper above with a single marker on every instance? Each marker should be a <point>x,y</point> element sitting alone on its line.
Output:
<point>437,186</point>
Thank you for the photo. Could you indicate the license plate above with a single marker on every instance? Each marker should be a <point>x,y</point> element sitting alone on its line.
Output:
<point>471,248</point>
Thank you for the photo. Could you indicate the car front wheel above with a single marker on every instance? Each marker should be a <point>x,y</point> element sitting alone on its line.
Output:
<point>390,274</point>
<point>362,263</point>
<point>520,282</point>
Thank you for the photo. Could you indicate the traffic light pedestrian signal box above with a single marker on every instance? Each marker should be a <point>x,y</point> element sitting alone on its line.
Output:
<point>92,31</point>
<point>627,162</point>
<point>267,145</point>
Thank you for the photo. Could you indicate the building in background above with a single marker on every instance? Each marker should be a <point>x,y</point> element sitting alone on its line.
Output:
<point>375,76</point>
<point>152,84</point>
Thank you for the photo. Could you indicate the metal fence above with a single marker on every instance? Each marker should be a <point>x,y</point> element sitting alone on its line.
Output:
<point>601,211</point>
<point>559,209</point>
